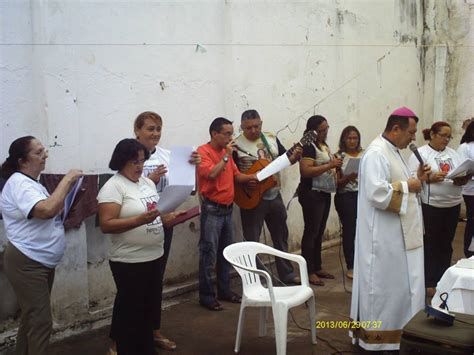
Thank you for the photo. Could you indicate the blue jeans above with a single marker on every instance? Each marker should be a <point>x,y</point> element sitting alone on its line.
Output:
<point>216,234</point>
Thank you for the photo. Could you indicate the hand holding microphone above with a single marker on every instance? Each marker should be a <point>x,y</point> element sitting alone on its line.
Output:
<point>424,170</point>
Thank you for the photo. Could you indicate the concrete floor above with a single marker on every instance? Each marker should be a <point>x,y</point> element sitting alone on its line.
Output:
<point>199,331</point>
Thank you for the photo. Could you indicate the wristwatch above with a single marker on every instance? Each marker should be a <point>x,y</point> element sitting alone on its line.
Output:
<point>225,158</point>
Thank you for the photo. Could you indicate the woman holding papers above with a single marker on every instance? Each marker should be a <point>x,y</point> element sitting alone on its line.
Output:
<point>148,128</point>
<point>466,151</point>
<point>345,199</point>
<point>127,209</point>
<point>441,201</point>
<point>35,238</point>
<point>318,180</point>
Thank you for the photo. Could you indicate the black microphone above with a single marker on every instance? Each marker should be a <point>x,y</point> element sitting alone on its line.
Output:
<point>414,149</point>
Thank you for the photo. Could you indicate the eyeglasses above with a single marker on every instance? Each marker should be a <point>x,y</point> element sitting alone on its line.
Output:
<point>138,162</point>
<point>445,136</point>
<point>40,153</point>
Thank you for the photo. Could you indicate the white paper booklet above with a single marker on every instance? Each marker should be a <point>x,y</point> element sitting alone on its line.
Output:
<point>466,167</point>
<point>352,166</point>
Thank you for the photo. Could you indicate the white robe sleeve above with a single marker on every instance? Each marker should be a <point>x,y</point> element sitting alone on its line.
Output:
<point>381,193</point>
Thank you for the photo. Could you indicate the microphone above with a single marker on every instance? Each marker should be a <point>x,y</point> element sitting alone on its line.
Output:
<point>244,151</point>
<point>414,149</point>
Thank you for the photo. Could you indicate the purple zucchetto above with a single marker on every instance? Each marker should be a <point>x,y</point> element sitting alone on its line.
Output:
<point>404,112</point>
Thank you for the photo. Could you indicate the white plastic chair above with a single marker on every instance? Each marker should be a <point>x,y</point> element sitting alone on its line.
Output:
<point>243,257</point>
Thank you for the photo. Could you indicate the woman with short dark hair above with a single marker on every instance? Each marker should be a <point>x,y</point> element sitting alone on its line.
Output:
<point>128,211</point>
<point>35,236</point>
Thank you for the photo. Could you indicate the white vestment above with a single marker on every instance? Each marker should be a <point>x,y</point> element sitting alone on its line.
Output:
<point>388,287</point>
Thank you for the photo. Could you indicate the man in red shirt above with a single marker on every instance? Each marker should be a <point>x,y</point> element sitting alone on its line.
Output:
<point>216,175</point>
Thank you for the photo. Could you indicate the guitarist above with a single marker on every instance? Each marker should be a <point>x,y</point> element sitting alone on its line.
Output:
<point>254,144</point>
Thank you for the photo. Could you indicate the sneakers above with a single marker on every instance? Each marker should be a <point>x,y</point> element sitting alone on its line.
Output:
<point>164,343</point>
<point>350,274</point>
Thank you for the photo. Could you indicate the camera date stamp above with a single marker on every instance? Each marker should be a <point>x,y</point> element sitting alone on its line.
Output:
<point>348,324</point>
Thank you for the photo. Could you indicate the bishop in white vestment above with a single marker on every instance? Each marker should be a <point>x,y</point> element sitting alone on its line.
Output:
<point>388,287</point>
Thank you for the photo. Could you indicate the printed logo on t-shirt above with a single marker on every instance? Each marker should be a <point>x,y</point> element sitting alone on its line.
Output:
<point>444,165</point>
<point>150,204</point>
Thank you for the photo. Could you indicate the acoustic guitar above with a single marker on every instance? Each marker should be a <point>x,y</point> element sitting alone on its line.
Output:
<point>248,198</point>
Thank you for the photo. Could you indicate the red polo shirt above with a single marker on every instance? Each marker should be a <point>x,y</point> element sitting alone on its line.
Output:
<point>221,189</point>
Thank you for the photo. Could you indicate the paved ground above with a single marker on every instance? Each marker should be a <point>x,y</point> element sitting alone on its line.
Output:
<point>198,331</point>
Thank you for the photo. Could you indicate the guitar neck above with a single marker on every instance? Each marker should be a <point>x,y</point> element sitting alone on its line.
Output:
<point>290,151</point>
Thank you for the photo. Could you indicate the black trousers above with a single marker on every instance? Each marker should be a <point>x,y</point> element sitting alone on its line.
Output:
<point>440,228</point>
<point>161,273</point>
<point>346,207</point>
<point>315,205</point>
<point>138,296</point>
<point>469,230</point>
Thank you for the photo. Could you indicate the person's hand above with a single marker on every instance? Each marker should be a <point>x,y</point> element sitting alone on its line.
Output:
<point>296,154</point>
<point>73,175</point>
<point>156,174</point>
<point>437,177</point>
<point>335,163</point>
<point>414,185</point>
<point>148,216</point>
<point>195,158</point>
<point>424,172</point>
<point>462,180</point>
<point>252,184</point>
<point>230,147</point>
<point>352,176</point>
<point>169,217</point>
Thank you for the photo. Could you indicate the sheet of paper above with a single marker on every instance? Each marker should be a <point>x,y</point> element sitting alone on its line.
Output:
<point>173,196</point>
<point>352,166</point>
<point>181,172</point>
<point>274,167</point>
<point>68,201</point>
<point>466,167</point>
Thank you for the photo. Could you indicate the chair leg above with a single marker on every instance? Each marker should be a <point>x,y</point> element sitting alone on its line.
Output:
<point>312,319</point>
<point>280,319</point>
<point>262,329</point>
<point>240,326</point>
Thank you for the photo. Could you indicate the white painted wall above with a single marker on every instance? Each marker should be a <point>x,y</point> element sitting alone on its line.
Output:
<point>76,73</point>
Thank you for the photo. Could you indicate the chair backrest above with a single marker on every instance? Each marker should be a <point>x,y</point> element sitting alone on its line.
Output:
<point>243,256</point>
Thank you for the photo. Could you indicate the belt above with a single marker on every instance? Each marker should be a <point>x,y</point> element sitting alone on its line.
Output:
<point>220,205</point>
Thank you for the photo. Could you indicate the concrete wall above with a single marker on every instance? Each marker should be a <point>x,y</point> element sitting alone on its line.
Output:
<point>76,73</point>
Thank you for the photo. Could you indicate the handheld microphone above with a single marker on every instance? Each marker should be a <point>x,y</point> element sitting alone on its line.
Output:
<point>244,151</point>
<point>415,151</point>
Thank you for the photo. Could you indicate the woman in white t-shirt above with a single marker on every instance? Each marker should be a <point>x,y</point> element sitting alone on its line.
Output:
<point>466,151</point>
<point>128,211</point>
<point>35,236</point>
<point>148,128</point>
<point>441,201</point>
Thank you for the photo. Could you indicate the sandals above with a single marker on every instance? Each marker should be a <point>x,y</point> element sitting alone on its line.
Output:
<point>164,343</point>
<point>315,280</point>
<point>232,298</point>
<point>213,306</point>
<point>324,274</point>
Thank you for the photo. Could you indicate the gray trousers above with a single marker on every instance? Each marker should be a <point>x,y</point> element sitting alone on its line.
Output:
<point>32,283</point>
<point>273,213</point>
